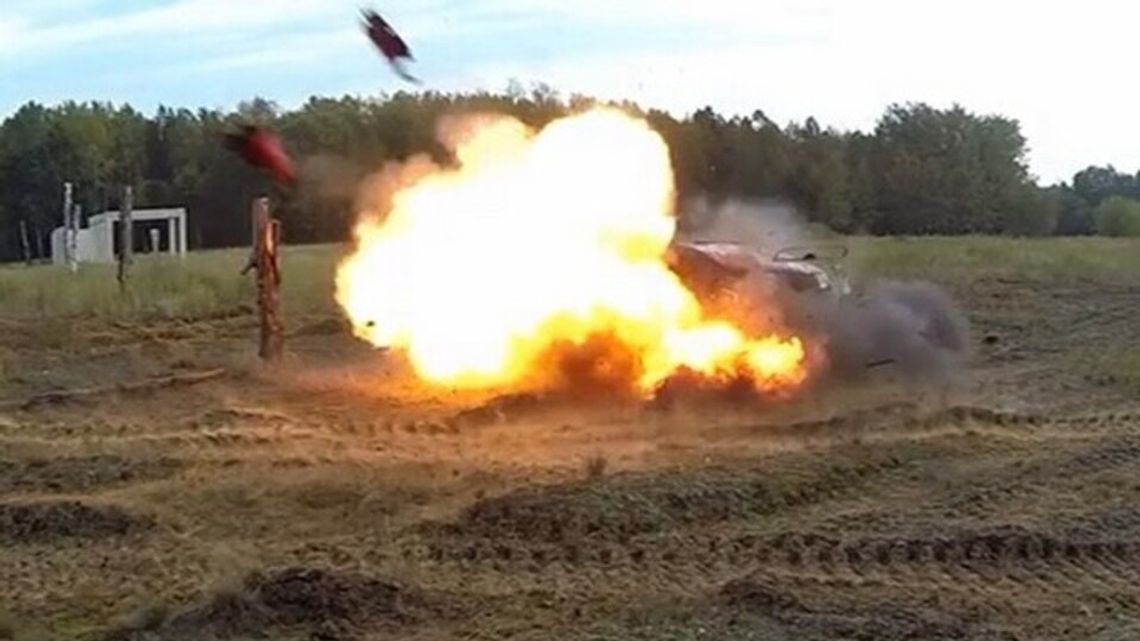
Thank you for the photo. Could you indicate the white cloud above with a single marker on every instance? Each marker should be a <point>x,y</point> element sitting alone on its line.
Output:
<point>177,18</point>
<point>1063,73</point>
<point>1062,69</point>
<point>279,51</point>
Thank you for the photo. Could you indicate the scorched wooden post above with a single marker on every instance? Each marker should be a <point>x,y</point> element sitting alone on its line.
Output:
<point>265,258</point>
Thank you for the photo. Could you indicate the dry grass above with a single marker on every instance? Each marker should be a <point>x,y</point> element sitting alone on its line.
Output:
<point>208,282</point>
<point>7,627</point>
<point>201,284</point>
<point>964,259</point>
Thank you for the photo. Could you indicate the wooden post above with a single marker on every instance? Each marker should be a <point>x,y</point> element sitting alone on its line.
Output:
<point>264,257</point>
<point>76,216</point>
<point>126,235</point>
<point>41,254</point>
<point>24,244</point>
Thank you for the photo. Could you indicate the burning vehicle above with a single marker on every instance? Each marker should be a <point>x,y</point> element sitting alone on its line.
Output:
<point>712,268</point>
<point>912,326</point>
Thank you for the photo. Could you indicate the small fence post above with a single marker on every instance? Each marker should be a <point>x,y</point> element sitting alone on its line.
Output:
<point>68,258</point>
<point>24,244</point>
<point>126,235</point>
<point>265,258</point>
<point>73,237</point>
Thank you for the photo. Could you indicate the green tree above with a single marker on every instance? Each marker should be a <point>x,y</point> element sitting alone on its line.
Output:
<point>764,158</point>
<point>1034,213</point>
<point>1095,184</point>
<point>1118,216</point>
<point>820,184</point>
<point>29,186</point>
<point>947,171</point>
<point>1074,215</point>
<point>922,170</point>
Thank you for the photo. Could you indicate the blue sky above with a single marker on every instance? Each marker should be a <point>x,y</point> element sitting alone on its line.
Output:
<point>1063,70</point>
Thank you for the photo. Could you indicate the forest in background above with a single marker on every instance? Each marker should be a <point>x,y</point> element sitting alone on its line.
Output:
<point>920,171</point>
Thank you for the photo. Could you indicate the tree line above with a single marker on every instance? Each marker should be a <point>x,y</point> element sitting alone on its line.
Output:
<point>921,170</point>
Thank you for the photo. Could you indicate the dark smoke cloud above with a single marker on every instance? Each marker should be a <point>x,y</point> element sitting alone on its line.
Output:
<point>913,330</point>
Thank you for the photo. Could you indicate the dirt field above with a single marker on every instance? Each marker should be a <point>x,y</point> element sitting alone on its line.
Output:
<point>337,499</point>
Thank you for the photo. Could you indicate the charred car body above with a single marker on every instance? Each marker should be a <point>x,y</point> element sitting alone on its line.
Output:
<point>709,268</point>
<point>913,327</point>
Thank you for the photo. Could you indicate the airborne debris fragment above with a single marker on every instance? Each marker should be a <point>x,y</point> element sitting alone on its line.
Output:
<point>262,149</point>
<point>390,44</point>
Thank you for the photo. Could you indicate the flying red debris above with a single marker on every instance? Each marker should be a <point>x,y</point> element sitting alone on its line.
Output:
<point>388,42</point>
<point>263,149</point>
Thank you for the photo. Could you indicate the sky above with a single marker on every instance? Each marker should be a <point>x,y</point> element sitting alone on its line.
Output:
<point>1065,70</point>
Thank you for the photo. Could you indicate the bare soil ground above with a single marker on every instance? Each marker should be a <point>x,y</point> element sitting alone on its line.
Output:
<point>336,499</point>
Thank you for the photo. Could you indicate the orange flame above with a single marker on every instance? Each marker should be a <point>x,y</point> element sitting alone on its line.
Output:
<point>536,241</point>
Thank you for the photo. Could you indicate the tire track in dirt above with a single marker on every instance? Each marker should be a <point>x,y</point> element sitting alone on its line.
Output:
<point>1121,518</point>
<point>906,420</point>
<point>638,522</point>
<point>81,473</point>
<point>1003,573</point>
<point>978,553</point>
<point>1043,476</point>
<point>1041,480</point>
<point>224,439</point>
<point>642,504</point>
<point>535,530</point>
<point>997,562</point>
<point>793,601</point>
<point>1112,309</point>
<point>51,521</point>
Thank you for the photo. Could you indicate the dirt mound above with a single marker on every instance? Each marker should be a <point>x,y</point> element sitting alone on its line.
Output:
<point>501,409</point>
<point>589,511</point>
<point>649,503</point>
<point>73,474</point>
<point>323,603</point>
<point>46,521</point>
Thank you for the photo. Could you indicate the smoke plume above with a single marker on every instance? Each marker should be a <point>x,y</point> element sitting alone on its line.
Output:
<point>910,329</point>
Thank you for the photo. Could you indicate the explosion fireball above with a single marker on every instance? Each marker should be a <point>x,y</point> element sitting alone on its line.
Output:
<point>535,248</point>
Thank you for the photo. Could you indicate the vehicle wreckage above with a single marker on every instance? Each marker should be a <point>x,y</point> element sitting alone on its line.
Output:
<point>813,290</point>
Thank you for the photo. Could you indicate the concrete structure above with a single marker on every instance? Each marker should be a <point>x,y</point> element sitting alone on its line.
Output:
<point>154,231</point>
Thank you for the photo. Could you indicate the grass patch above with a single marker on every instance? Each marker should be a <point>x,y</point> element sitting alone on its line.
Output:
<point>7,626</point>
<point>209,282</point>
<point>962,259</point>
<point>198,284</point>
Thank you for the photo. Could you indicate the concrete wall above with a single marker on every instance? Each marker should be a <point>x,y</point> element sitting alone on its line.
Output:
<point>58,251</point>
<point>96,242</point>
